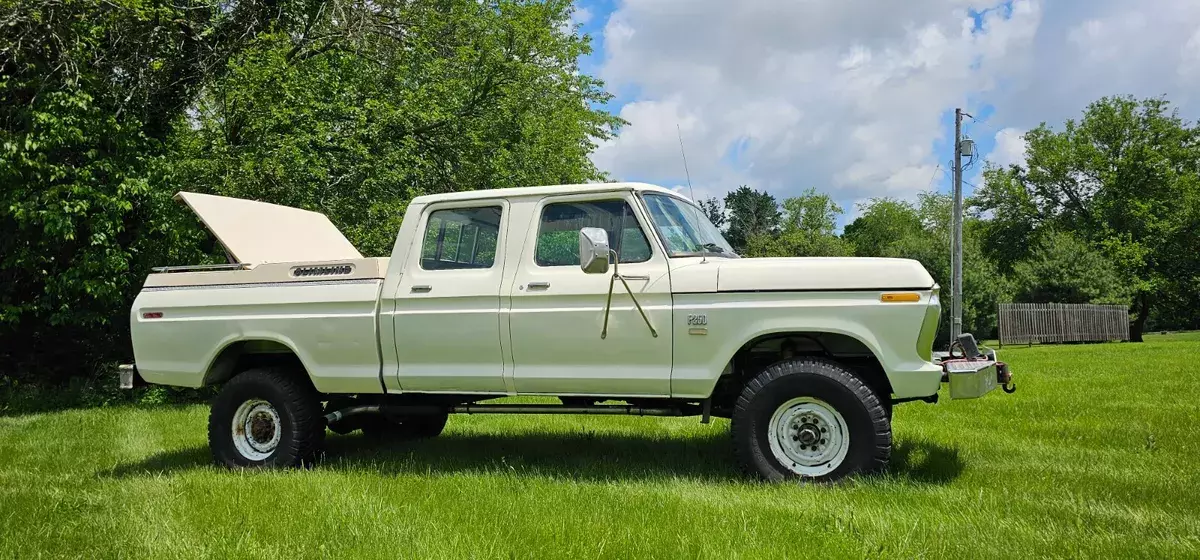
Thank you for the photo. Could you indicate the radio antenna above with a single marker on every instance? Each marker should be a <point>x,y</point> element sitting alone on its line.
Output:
<point>685,167</point>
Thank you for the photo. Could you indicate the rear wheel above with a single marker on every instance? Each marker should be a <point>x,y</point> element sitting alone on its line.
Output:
<point>407,428</point>
<point>266,417</point>
<point>810,419</point>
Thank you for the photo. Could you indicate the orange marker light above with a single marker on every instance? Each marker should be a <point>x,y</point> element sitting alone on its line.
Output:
<point>900,297</point>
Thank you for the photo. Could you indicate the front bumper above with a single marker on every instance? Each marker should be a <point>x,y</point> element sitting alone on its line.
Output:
<point>974,374</point>
<point>974,378</point>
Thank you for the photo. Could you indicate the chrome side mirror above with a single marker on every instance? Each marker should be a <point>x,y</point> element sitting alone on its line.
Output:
<point>593,259</point>
<point>593,250</point>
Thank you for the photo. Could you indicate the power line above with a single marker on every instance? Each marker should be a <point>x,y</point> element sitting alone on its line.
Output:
<point>987,126</point>
<point>931,177</point>
<point>970,162</point>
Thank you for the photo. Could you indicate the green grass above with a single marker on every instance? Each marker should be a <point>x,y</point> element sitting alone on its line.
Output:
<point>1095,455</point>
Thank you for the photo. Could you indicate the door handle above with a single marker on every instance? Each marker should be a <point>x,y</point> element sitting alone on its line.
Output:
<point>539,285</point>
<point>645,277</point>
<point>422,289</point>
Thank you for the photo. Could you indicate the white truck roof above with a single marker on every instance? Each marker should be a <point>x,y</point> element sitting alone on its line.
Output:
<point>543,191</point>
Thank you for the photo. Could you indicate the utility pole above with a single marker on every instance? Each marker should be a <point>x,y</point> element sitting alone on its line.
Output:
<point>956,226</point>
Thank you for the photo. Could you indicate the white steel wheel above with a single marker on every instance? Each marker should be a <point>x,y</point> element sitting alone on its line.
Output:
<point>266,417</point>
<point>812,419</point>
<point>808,436</point>
<point>257,429</point>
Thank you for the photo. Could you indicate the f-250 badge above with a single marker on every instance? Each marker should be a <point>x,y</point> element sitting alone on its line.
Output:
<point>697,320</point>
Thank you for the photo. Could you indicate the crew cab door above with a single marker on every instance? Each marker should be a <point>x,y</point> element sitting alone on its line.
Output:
<point>447,317</point>
<point>557,310</point>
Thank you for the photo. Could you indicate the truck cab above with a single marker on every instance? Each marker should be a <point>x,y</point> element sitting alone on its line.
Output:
<point>615,298</point>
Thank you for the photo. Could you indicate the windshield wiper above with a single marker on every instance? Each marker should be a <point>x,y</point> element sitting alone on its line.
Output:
<point>714,249</point>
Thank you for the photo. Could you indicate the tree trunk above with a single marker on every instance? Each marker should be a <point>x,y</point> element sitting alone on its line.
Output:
<point>1142,305</point>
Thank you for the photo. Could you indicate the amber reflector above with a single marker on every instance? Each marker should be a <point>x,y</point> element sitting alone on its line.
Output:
<point>900,297</point>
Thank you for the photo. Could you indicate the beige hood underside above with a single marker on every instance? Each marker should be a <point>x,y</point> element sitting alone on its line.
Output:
<point>257,232</point>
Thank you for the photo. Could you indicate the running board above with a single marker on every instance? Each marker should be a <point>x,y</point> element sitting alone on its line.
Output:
<point>418,410</point>
<point>620,409</point>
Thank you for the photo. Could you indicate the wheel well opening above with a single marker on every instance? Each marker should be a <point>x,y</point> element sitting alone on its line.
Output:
<point>756,355</point>
<point>246,354</point>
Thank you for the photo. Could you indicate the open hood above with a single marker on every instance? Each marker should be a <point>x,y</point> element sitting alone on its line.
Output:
<point>257,232</point>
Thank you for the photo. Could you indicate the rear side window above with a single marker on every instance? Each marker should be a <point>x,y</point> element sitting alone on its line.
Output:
<point>558,235</point>
<point>461,238</point>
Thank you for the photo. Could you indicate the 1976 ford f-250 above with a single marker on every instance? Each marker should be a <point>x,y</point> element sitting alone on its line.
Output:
<point>616,298</point>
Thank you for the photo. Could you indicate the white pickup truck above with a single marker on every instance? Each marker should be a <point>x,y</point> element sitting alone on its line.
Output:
<point>617,298</point>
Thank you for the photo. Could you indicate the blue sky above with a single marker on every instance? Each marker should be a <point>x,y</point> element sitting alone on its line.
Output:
<point>856,97</point>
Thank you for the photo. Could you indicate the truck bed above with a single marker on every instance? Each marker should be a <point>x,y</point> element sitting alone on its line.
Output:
<point>184,321</point>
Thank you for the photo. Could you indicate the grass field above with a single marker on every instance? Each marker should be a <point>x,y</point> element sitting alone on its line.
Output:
<point>1095,455</point>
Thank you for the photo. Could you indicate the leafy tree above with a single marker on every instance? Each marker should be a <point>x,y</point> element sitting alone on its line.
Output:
<point>751,213</point>
<point>1011,229</point>
<point>1063,269</point>
<point>809,230</point>
<point>811,213</point>
<point>1118,179</point>
<point>797,244</point>
<point>714,210</point>
<point>89,91</point>
<point>1179,306</point>
<point>359,113</point>
<point>880,223</point>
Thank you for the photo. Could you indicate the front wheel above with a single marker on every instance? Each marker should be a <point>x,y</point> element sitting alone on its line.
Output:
<point>266,417</point>
<point>810,419</point>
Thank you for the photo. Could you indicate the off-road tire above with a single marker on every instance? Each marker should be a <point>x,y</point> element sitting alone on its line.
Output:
<point>302,426</point>
<point>407,428</point>
<point>868,425</point>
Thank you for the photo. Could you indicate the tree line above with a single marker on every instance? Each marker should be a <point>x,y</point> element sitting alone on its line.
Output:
<point>1105,209</point>
<point>349,107</point>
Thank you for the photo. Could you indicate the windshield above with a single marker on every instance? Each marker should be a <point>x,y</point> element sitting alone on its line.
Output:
<point>684,228</point>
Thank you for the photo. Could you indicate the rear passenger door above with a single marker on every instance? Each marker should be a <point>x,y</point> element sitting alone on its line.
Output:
<point>447,319</point>
<point>557,310</point>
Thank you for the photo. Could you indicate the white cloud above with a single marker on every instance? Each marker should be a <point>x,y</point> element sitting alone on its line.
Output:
<point>651,145</point>
<point>1096,41</point>
<point>1010,148</point>
<point>796,103</point>
<point>1086,50</point>
<point>581,15</point>
<point>851,97</point>
<point>1189,59</point>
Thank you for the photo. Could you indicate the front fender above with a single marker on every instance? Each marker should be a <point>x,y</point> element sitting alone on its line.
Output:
<point>889,330</point>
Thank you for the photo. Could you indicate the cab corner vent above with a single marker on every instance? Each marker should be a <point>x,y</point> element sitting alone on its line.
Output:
<point>333,270</point>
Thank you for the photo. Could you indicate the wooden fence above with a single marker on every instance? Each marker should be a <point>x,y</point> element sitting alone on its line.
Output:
<point>1026,323</point>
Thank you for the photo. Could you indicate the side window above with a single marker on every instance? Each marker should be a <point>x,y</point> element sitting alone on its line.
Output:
<point>461,238</point>
<point>558,235</point>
